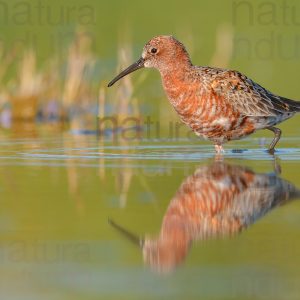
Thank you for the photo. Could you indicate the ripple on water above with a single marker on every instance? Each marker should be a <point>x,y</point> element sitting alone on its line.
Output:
<point>158,152</point>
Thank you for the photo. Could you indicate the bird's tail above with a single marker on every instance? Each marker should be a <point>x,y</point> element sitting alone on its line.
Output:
<point>296,194</point>
<point>291,105</point>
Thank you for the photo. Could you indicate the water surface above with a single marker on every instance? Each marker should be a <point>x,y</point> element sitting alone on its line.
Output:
<point>57,194</point>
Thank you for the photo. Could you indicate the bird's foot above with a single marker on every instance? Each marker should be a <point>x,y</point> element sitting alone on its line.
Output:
<point>271,151</point>
<point>219,149</point>
<point>219,153</point>
<point>276,165</point>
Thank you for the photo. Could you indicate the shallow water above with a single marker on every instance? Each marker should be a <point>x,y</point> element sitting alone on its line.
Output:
<point>58,191</point>
<point>57,194</point>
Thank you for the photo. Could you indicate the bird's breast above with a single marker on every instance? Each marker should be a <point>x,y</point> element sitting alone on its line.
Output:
<point>204,111</point>
<point>196,106</point>
<point>185,96</point>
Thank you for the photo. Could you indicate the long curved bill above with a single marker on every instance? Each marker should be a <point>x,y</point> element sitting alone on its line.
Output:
<point>135,66</point>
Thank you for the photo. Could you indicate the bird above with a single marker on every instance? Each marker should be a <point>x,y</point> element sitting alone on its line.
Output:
<point>218,104</point>
<point>217,201</point>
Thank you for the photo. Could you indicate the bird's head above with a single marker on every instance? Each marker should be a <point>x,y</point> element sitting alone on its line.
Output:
<point>162,52</point>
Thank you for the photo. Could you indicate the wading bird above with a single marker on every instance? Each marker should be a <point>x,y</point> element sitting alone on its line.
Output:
<point>217,104</point>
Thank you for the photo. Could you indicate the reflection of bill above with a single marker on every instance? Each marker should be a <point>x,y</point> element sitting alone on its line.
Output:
<point>217,200</point>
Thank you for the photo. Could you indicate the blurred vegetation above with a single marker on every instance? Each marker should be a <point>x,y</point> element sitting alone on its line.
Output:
<point>56,58</point>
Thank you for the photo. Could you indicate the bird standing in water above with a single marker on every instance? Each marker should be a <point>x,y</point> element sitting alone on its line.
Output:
<point>217,104</point>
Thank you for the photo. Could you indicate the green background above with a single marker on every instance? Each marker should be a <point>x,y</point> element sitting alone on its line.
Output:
<point>58,190</point>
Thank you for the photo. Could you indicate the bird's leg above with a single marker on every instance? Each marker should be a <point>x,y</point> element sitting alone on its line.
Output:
<point>219,153</point>
<point>219,149</point>
<point>277,134</point>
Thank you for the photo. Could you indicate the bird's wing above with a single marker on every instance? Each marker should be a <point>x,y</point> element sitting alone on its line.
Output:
<point>248,97</point>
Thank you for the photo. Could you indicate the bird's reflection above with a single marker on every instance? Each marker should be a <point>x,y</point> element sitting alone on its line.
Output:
<point>217,200</point>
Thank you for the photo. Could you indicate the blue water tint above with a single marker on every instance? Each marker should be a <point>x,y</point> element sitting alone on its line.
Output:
<point>160,152</point>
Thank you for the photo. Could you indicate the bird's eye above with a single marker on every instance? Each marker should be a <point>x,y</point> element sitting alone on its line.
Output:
<point>153,50</point>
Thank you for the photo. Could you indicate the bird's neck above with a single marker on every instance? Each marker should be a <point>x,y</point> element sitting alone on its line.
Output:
<point>173,81</point>
<point>177,82</point>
